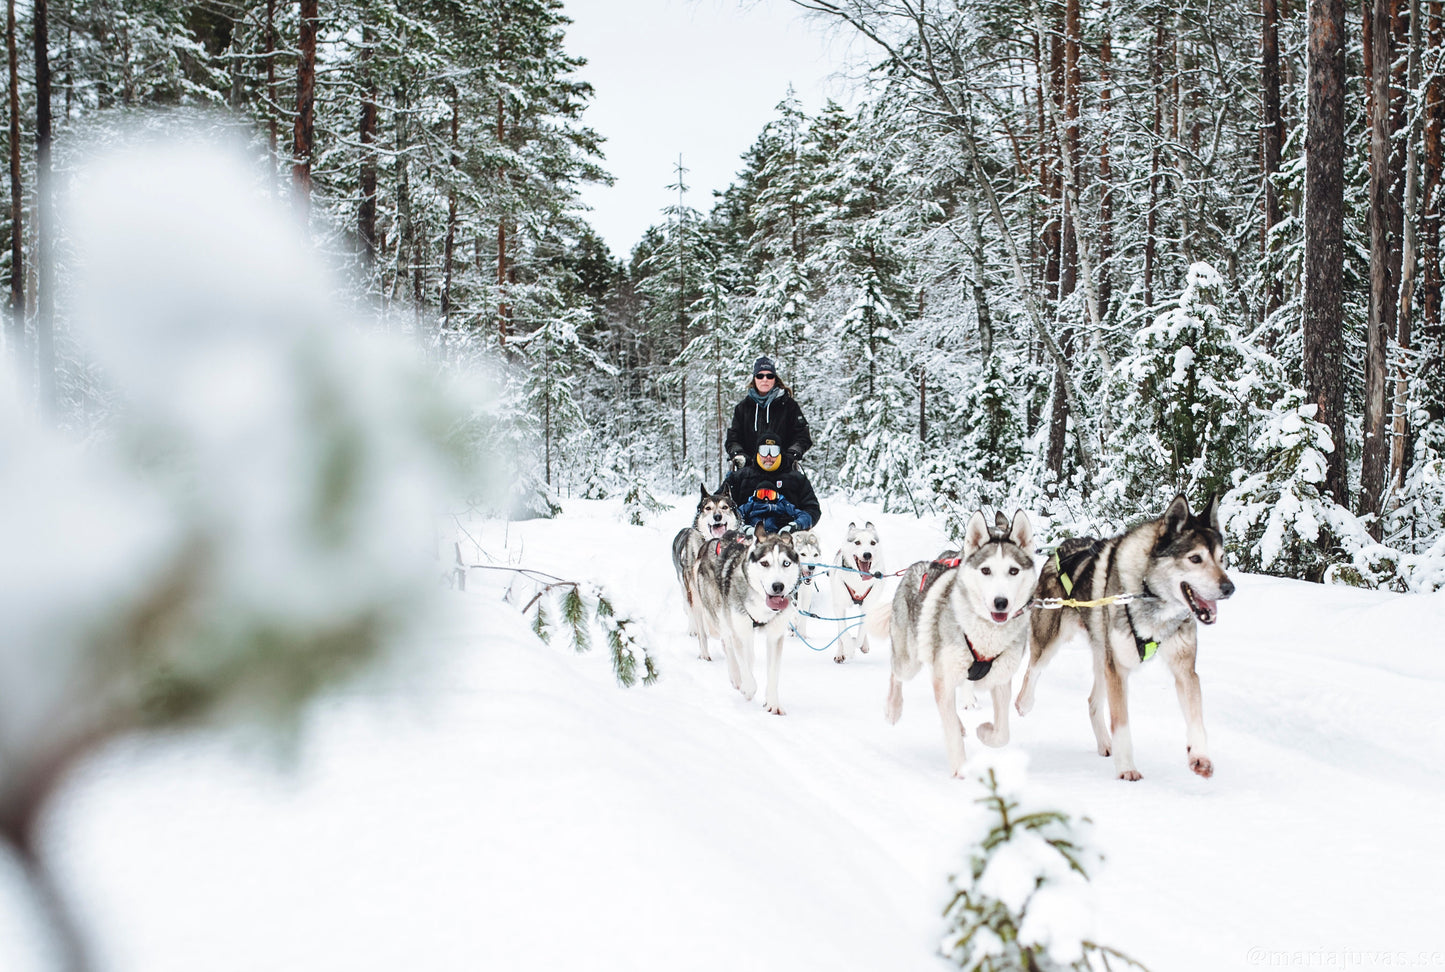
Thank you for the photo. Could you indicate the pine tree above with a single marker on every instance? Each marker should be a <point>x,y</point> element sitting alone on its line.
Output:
<point>1186,391</point>
<point>875,428</point>
<point>1023,903</point>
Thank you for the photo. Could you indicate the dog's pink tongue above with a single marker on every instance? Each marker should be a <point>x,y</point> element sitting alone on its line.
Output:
<point>1209,609</point>
<point>718,529</point>
<point>777,602</point>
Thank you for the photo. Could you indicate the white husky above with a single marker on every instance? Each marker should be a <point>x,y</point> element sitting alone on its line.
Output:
<point>966,614</point>
<point>805,542</point>
<point>853,577</point>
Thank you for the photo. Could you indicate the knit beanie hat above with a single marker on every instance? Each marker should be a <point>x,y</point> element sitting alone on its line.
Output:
<point>764,363</point>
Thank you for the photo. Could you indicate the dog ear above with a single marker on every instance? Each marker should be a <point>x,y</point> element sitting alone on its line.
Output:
<point>1211,512</point>
<point>869,526</point>
<point>1000,522</point>
<point>852,525</point>
<point>976,534</point>
<point>1177,515</point>
<point>705,494</point>
<point>1022,531</point>
<point>759,531</point>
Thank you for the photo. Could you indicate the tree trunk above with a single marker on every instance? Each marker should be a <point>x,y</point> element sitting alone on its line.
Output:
<point>682,305</point>
<point>980,293</point>
<point>1400,440</point>
<point>405,229</point>
<point>1106,175</point>
<point>1271,140</point>
<point>449,253</point>
<point>273,100</point>
<point>1324,231</point>
<point>1057,270</point>
<point>504,310</point>
<point>44,223</point>
<point>1434,162</point>
<point>1151,216</point>
<point>1383,294</point>
<point>16,326</point>
<point>366,213</point>
<point>304,133</point>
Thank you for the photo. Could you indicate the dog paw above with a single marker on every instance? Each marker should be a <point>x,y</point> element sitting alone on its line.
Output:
<point>863,647</point>
<point>1024,704</point>
<point>840,658</point>
<point>1132,775</point>
<point>1201,766</point>
<point>704,656</point>
<point>990,736</point>
<point>1104,750</point>
<point>775,708</point>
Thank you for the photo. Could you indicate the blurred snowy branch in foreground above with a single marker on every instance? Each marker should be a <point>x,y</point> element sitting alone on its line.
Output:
<point>256,517</point>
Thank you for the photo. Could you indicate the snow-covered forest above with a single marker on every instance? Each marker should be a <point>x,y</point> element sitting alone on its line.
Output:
<point>1058,256</point>
<point>303,297</point>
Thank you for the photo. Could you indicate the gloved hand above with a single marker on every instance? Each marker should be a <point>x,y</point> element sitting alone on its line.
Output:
<point>789,527</point>
<point>739,460</point>
<point>788,509</point>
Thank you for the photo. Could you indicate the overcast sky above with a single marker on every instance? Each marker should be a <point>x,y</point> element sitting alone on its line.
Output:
<point>699,77</point>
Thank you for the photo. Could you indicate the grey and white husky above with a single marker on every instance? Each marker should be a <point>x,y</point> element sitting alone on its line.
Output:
<point>744,589</point>
<point>810,552</point>
<point>1176,561</point>
<point>715,517</point>
<point>966,615</point>
<point>852,580</point>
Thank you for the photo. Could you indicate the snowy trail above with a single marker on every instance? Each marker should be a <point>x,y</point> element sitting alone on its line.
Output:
<point>507,806</point>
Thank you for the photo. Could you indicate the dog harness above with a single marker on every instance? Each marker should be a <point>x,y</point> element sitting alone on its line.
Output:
<point>1146,648</point>
<point>857,598</point>
<point>980,666</point>
<point>930,575</point>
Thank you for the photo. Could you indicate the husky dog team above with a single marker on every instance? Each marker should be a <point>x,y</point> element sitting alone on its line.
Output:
<point>750,564</point>
<point>973,614</point>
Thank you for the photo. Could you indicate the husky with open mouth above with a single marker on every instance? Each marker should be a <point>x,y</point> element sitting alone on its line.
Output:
<point>853,578</point>
<point>716,516</point>
<point>966,615</point>
<point>810,552</point>
<point>1175,562</point>
<point>744,589</point>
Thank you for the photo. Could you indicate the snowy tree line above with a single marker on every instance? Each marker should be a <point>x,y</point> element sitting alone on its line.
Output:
<point>1054,256</point>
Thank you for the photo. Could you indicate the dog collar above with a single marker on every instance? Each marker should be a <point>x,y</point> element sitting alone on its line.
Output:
<point>857,598</point>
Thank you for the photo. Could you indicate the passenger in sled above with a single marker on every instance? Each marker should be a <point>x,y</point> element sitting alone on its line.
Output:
<point>767,495</point>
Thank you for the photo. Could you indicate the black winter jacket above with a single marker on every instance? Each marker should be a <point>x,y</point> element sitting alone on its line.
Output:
<point>781,414</point>
<point>742,483</point>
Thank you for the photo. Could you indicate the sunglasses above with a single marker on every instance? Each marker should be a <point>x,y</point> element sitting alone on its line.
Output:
<point>770,451</point>
<point>768,495</point>
<point>766,376</point>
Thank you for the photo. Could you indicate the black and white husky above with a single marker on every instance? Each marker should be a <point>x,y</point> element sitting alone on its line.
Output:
<point>1176,561</point>
<point>744,589</point>
<point>715,517</point>
<point>966,614</point>
<point>852,580</point>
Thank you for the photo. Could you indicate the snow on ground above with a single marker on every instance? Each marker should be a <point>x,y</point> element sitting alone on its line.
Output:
<point>504,805</point>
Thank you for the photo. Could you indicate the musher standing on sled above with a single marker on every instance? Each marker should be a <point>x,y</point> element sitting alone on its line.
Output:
<point>768,405</point>
<point>768,495</point>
